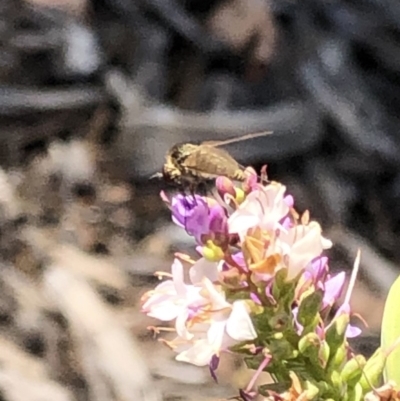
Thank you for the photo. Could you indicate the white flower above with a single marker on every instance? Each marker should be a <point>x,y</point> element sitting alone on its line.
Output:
<point>223,329</point>
<point>204,268</point>
<point>264,207</point>
<point>301,244</point>
<point>173,299</point>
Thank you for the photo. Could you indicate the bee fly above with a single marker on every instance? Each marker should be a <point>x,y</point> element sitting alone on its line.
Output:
<point>188,164</point>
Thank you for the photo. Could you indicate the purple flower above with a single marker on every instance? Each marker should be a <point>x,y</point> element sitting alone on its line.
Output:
<point>238,258</point>
<point>287,223</point>
<point>254,297</point>
<point>218,222</point>
<point>318,269</point>
<point>351,331</point>
<point>268,292</point>
<point>333,289</point>
<point>288,199</point>
<point>199,218</point>
<point>213,366</point>
<point>191,213</point>
<point>298,325</point>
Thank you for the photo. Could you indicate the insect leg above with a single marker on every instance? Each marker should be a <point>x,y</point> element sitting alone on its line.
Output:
<point>203,188</point>
<point>192,187</point>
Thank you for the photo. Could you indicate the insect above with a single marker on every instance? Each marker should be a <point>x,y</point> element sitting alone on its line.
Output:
<point>188,164</point>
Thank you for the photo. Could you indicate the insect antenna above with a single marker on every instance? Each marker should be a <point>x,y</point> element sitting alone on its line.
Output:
<point>237,139</point>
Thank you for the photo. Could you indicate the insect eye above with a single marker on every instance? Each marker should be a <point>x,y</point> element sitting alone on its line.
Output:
<point>176,151</point>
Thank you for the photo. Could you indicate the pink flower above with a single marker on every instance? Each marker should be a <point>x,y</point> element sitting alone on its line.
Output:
<point>301,244</point>
<point>333,289</point>
<point>224,328</point>
<point>317,270</point>
<point>173,299</point>
<point>263,207</point>
<point>204,268</point>
<point>218,223</point>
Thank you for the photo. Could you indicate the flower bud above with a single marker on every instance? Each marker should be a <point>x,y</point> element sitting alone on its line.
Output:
<point>336,379</point>
<point>309,343</point>
<point>308,310</point>
<point>309,346</point>
<point>372,371</point>
<point>338,358</point>
<point>356,394</point>
<point>353,369</point>
<point>225,186</point>
<point>311,391</point>
<point>250,181</point>
<point>324,353</point>
<point>335,333</point>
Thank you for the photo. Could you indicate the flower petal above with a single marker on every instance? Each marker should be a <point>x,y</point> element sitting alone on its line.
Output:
<point>204,268</point>
<point>177,277</point>
<point>180,325</point>
<point>239,325</point>
<point>352,331</point>
<point>216,297</point>
<point>333,289</point>
<point>199,354</point>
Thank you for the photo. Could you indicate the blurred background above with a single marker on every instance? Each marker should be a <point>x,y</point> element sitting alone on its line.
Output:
<point>92,95</point>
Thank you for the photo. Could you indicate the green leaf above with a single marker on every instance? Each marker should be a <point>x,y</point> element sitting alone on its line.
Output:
<point>283,290</point>
<point>372,371</point>
<point>335,334</point>
<point>337,359</point>
<point>391,332</point>
<point>355,394</point>
<point>309,308</point>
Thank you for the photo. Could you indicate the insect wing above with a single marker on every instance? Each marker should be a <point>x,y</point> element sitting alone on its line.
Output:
<point>209,162</point>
